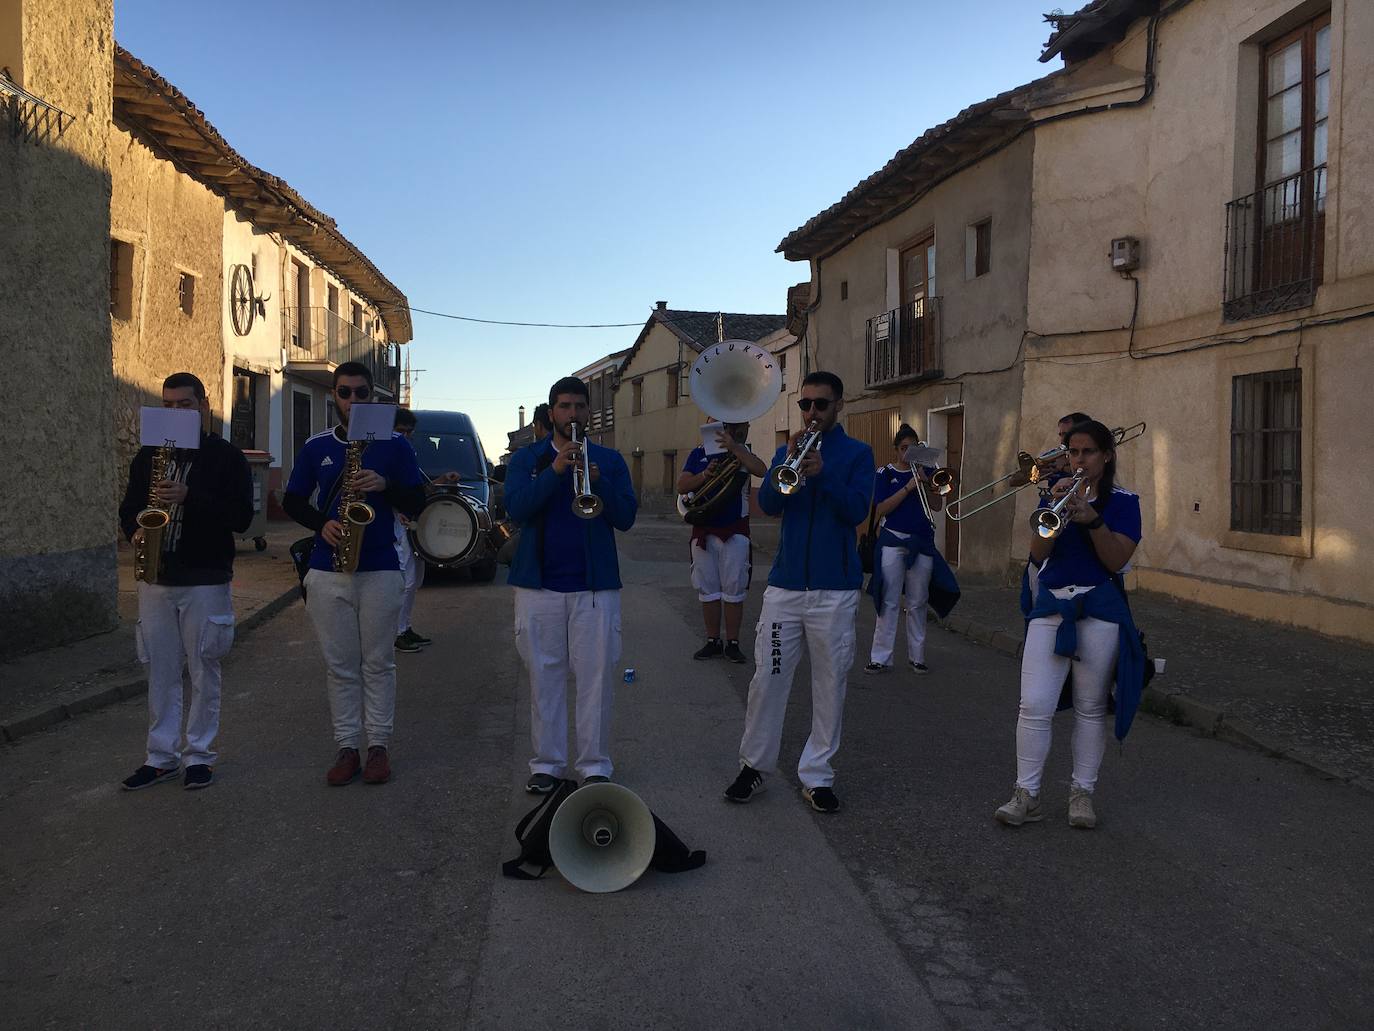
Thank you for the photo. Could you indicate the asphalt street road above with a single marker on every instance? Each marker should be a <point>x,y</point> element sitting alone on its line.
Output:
<point>1222,889</point>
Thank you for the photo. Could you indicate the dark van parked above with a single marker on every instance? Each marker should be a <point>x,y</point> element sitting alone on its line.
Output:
<point>460,526</point>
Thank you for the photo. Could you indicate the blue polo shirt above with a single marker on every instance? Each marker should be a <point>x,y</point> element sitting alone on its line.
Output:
<point>1073,562</point>
<point>907,518</point>
<point>318,466</point>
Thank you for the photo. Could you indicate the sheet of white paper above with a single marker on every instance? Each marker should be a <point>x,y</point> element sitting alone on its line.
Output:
<point>371,422</point>
<point>179,425</point>
<point>924,455</point>
<point>708,438</point>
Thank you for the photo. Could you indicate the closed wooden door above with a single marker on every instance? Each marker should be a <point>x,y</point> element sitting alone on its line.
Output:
<point>954,459</point>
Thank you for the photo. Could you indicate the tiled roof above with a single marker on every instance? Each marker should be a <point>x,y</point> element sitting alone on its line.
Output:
<point>699,329</point>
<point>1093,26</point>
<point>933,157</point>
<point>161,114</point>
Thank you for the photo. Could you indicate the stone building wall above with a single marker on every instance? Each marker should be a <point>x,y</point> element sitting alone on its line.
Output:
<point>57,570</point>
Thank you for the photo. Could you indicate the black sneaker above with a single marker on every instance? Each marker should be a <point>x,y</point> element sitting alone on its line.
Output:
<point>733,653</point>
<point>405,644</point>
<point>198,775</point>
<point>822,800</point>
<point>595,779</point>
<point>876,667</point>
<point>919,667</point>
<point>541,783</point>
<point>418,638</point>
<point>710,649</point>
<point>748,784</point>
<point>146,777</point>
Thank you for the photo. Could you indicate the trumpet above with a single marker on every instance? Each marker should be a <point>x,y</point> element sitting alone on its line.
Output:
<point>1049,522</point>
<point>1030,469</point>
<point>586,504</point>
<point>787,478</point>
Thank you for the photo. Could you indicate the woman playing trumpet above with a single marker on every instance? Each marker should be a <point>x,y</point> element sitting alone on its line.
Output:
<point>906,558</point>
<point>1079,621</point>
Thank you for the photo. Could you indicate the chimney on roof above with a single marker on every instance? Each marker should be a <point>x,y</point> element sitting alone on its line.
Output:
<point>720,326</point>
<point>662,305</point>
<point>522,418</point>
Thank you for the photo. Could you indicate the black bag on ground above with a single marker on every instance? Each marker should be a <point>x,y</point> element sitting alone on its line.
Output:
<point>532,832</point>
<point>671,854</point>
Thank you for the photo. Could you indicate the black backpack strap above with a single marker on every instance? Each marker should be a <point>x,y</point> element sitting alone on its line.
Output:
<point>513,868</point>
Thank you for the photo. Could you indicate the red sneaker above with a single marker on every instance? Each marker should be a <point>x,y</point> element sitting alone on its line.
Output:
<point>345,768</point>
<point>378,769</point>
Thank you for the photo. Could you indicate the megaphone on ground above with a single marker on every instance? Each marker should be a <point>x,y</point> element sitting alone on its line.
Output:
<point>602,838</point>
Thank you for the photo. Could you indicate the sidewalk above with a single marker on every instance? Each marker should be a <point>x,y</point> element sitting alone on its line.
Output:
<point>1287,692</point>
<point>43,688</point>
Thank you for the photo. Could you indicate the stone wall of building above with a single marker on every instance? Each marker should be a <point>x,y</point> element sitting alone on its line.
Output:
<point>57,568</point>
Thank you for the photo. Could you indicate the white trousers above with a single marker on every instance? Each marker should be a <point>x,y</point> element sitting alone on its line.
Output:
<point>917,583</point>
<point>561,635</point>
<point>1042,680</point>
<point>826,620</point>
<point>720,568</point>
<point>194,627</point>
<point>412,576</point>
<point>355,621</point>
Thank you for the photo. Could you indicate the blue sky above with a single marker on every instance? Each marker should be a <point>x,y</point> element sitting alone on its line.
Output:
<point>577,161</point>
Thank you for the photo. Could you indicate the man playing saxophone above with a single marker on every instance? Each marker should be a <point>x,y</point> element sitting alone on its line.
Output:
<point>192,508</point>
<point>720,538</point>
<point>353,589</point>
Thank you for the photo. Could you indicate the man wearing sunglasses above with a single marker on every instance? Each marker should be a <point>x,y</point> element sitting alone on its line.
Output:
<point>355,614</point>
<point>812,595</point>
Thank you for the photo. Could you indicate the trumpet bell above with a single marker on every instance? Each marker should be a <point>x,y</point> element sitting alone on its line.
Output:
<point>587,506</point>
<point>786,480</point>
<point>735,381</point>
<point>1047,524</point>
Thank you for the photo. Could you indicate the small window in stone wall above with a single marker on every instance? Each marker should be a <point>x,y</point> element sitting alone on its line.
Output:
<point>121,279</point>
<point>186,293</point>
<point>978,249</point>
<point>844,289</point>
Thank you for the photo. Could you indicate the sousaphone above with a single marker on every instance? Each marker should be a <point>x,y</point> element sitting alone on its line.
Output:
<point>733,381</point>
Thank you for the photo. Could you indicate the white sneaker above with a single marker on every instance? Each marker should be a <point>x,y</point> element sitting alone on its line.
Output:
<point>1023,807</point>
<point>1081,809</point>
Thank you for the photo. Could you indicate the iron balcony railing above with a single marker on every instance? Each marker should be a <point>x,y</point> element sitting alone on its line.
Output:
<point>904,344</point>
<point>1273,259</point>
<point>320,335</point>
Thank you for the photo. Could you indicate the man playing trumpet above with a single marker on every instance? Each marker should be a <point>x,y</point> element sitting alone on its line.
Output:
<point>570,496</point>
<point>813,593</point>
<point>720,544</point>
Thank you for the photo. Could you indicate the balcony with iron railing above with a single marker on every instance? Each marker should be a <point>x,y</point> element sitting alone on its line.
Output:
<point>1274,237</point>
<point>319,339</point>
<point>904,344</point>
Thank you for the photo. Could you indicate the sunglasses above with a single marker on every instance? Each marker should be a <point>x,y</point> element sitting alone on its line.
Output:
<point>818,403</point>
<point>345,392</point>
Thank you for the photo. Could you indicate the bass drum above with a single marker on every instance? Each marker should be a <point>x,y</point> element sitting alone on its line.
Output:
<point>452,530</point>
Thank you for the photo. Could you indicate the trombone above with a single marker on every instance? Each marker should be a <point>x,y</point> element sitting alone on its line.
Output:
<point>1030,469</point>
<point>942,481</point>
<point>787,478</point>
<point>586,504</point>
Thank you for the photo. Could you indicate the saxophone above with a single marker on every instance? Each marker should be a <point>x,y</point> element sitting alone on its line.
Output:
<point>152,521</point>
<point>354,512</point>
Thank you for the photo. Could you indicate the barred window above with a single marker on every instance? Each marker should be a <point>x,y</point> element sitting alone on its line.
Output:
<point>1266,452</point>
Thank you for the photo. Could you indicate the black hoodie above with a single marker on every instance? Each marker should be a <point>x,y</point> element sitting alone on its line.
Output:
<point>198,544</point>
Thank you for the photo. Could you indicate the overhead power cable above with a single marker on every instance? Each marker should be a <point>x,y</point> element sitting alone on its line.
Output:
<point>536,325</point>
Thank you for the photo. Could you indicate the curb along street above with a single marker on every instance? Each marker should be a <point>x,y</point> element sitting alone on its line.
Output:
<point>51,715</point>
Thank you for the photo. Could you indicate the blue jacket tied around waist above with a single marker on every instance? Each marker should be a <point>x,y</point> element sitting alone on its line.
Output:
<point>818,549</point>
<point>529,490</point>
<point>1107,603</point>
<point>944,588</point>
